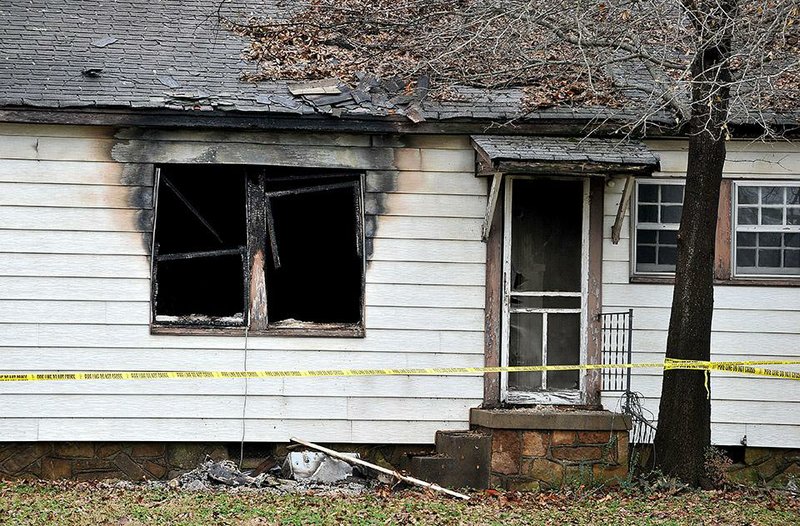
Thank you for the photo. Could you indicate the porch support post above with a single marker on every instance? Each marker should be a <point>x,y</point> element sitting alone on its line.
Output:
<point>624,202</point>
<point>494,300</point>
<point>594,299</point>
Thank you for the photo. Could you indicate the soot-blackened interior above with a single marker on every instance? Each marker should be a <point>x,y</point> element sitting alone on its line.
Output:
<point>200,209</point>
<point>318,242</point>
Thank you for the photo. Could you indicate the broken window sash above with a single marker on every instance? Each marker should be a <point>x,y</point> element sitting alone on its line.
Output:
<point>191,208</point>
<point>202,254</point>
<point>209,302</point>
<point>315,275</point>
<point>210,243</point>
<point>357,207</point>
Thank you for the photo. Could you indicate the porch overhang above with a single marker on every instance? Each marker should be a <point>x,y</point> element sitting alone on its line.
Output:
<point>500,155</point>
<point>562,156</point>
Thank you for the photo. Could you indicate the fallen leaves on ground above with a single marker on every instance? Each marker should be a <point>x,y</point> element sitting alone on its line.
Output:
<point>72,503</point>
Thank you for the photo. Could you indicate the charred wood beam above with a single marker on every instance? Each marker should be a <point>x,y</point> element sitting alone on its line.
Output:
<point>255,273</point>
<point>201,254</point>
<point>310,189</point>
<point>273,240</point>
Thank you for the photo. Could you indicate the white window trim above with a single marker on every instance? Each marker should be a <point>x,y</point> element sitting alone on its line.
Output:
<point>650,226</point>
<point>757,228</point>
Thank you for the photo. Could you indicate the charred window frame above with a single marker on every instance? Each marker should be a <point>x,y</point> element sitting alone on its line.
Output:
<point>268,250</point>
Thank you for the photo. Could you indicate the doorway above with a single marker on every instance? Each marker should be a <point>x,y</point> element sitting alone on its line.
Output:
<point>545,276</point>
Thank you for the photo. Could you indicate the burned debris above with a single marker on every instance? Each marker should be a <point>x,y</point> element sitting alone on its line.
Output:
<point>267,248</point>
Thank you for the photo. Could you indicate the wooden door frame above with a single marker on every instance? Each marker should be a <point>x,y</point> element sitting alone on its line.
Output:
<point>494,298</point>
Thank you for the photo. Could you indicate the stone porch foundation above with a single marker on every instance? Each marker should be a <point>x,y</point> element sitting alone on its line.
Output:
<point>548,449</point>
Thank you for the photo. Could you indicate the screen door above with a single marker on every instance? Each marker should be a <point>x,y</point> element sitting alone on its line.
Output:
<point>544,306</point>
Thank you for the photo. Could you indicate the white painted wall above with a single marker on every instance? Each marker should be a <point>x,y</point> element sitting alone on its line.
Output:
<point>750,323</point>
<point>75,289</point>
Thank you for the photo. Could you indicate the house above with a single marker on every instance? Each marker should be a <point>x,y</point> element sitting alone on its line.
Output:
<point>157,213</point>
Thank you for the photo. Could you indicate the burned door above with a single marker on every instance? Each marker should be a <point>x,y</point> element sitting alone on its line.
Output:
<point>544,306</point>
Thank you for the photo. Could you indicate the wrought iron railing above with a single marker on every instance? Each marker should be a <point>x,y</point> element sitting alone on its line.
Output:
<point>617,337</point>
<point>617,333</point>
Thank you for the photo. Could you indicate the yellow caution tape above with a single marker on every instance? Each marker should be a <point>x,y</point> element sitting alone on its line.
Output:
<point>744,367</point>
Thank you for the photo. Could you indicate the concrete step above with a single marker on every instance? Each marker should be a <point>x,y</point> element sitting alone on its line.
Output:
<point>462,460</point>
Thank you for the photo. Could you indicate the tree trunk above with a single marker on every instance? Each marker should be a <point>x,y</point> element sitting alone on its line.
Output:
<point>684,420</point>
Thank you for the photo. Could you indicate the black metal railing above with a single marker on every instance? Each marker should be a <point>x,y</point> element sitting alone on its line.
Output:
<point>617,333</point>
<point>617,338</point>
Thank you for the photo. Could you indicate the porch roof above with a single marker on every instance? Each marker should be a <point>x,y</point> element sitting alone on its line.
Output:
<point>562,155</point>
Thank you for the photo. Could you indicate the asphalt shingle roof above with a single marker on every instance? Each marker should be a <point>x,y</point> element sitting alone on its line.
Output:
<point>174,54</point>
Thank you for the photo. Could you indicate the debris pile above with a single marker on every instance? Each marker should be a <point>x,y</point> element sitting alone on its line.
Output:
<point>315,472</point>
<point>211,473</point>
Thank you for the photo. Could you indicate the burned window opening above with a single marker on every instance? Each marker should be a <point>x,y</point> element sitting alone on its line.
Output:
<point>274,249</point>
<point>315,231</point>
<point>200,247</point>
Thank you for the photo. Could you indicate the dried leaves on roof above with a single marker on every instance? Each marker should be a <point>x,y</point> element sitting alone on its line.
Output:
<point>601,52</point>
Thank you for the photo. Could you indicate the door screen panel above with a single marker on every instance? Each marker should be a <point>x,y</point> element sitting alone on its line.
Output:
<point>544,278</point>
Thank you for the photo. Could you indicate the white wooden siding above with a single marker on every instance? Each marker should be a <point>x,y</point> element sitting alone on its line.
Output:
<point>75,289</point>
<point>750,323</point>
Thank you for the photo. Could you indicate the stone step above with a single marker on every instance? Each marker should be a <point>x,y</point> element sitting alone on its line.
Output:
<point>462,460</point>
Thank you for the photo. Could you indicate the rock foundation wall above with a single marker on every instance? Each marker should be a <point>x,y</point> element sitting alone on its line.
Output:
<point>154,460</point>
<point>534,459</point>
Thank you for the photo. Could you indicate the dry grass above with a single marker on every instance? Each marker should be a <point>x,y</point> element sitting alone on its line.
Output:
<point>67,503</point>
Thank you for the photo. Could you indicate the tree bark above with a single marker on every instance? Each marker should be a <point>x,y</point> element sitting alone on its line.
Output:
<point>683,434</point>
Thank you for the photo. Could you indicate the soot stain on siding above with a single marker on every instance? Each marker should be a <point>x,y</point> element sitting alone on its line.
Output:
<point>375,200</point>
<point>139,180</point>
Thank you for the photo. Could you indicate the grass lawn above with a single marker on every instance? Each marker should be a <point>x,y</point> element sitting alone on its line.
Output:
<point>70,503</point>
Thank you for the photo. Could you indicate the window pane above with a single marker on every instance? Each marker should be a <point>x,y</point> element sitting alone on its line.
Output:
<point>320,273</point>
<point>656,249</point>
<point>791,259</point>
<point>645,254</point>
<point>748,195</point>
<point>793,195</point>
<point>671,193</point>
<point>563,348</point>
<point>547,233</point>
<point>769,258</point>
<point>648,193</point>
<point>671,214</point>
<point>668,237</point>
<point>793,216</point>
<point>525,348</point>
<point>771,216</point>
<point>772,195</point>
<point>769,239</point>
<point>667,255</point>
<point>746,239</point>
<point>200,232</point>
<point>647,236</point>
<point>648,214</point>
<point>745,258</point>
<point>211,287</point>
<point>748,215</point>
<point>791,240</point>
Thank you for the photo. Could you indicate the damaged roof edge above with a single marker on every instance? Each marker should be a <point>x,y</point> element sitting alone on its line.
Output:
<point>566,126</point>
<point>170,118</point>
